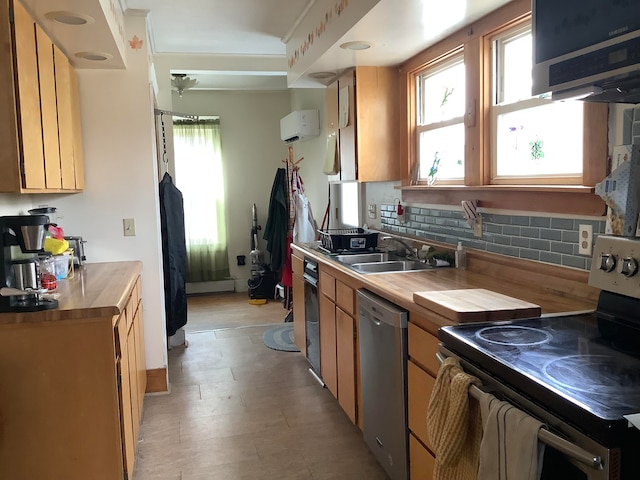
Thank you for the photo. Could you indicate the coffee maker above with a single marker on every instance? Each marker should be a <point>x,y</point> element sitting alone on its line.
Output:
<point>22,239</point>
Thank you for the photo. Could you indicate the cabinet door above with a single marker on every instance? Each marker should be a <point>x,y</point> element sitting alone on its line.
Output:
<point>124,398</point>
<point>78,155</point>
<point>49,110</point>
<point>377,124</point>
<point>331,122</point>
<point>419,387</point>
<point>421,462</point>
<point>299,328</point>
<point>28,99</point>
<point>346,357</point>
<point>65,122</point>
<point>133,383</point>
<point>346,114</point>
<point>328,358</point>
<point>140,360</point>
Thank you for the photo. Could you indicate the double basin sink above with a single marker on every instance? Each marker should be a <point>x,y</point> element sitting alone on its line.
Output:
<point>380,263</point>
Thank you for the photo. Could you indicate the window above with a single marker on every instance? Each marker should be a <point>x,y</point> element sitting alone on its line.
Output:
<point>533,139</point>
<point>440,115</point>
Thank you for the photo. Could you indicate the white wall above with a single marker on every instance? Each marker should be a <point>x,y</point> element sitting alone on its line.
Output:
<point>313,150</point>
<point>121,181</point>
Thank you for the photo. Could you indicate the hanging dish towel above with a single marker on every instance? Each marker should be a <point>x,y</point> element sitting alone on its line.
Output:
<point>510,449</point>
<point>454,424</point>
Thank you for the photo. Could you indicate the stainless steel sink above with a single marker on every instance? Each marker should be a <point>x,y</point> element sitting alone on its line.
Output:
<point>362,258</point>
<point>390,266</point>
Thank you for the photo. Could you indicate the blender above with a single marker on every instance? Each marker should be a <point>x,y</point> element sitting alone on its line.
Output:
<point>22,238</point>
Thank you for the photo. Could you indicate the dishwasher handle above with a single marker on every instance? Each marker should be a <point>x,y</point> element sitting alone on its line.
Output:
<point>380,311</point>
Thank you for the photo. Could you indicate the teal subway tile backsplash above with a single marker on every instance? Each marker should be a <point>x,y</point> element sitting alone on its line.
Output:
<point>545,239</point>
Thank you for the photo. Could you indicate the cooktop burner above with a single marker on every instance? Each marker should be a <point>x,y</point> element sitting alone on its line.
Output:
<point>595,374</point>
<point>513,335</point>
<point>560,362</point>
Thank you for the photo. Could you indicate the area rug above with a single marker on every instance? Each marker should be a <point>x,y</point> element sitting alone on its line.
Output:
<point>280,338</point>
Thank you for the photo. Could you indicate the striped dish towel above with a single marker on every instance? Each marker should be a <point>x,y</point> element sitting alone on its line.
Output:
<point>510,449</point>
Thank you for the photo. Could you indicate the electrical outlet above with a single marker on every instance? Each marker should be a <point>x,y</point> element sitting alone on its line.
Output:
<point>477,227</point>
<point>372,210</point>
<point>585,239</point>
<point>129,227</point>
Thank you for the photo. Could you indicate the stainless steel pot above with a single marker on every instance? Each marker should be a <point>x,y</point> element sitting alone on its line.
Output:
<point>25,274</point>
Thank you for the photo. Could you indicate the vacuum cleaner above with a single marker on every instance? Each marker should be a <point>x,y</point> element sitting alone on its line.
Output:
<point>263,281</point>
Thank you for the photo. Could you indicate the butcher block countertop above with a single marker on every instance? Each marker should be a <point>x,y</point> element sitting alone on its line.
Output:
<point>554,289</point>
<point>97,290</point>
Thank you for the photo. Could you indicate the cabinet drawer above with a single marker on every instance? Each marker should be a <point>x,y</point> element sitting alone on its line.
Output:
<point>423,348</point>
<point>421,462</point>
<point>419,386</point>
<point>345,298</point>
<point>297,265</point>
<point>328,285</point>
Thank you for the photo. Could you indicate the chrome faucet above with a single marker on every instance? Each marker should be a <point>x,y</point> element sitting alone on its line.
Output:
<point>410,251</point>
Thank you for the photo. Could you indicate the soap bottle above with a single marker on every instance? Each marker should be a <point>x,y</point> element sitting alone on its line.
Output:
<point>461,257</point>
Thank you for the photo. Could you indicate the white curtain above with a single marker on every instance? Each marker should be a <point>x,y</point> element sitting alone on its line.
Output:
<point>199,175</point>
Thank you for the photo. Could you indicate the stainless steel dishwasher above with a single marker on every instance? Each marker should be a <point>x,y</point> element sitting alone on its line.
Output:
<point>383,366</point>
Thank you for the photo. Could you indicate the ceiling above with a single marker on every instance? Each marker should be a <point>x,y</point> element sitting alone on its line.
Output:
<point>240,44</point>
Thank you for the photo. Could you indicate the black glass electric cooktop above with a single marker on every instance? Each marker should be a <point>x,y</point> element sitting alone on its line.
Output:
<point>561,363</point>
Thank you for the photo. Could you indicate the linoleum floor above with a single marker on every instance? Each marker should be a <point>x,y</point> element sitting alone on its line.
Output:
<point>239,410</point>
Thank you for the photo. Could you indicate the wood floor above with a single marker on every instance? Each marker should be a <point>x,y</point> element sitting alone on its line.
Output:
<point>239,410</point>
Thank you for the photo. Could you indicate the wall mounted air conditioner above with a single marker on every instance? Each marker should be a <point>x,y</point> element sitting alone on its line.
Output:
<point>300,125</point>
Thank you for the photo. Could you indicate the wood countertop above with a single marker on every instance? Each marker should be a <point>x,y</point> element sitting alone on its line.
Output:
<point>540,284</point>
<point>97,290</point>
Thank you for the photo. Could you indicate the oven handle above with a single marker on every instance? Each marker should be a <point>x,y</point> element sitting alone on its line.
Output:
<point>545,436</point>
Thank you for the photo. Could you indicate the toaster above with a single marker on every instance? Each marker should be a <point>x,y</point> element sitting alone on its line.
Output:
<point>77,244</point>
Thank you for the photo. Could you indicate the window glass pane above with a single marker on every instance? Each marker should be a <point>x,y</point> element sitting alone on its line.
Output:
<point>443,148</point>
<point>441,94</point>
<point>516,66</point>
<point>539,141</point>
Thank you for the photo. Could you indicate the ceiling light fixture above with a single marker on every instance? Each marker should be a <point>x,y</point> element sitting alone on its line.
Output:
<point>322,75</point>
<point>180,82</point>
<point>94,56</point>
<point>69,18</point>
<point>357,45</point>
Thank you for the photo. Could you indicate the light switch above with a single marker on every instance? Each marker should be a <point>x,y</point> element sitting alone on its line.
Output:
<point>129,227</point>
<point>372,210</point>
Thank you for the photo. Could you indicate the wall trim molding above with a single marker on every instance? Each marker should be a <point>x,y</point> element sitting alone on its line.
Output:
<point>157,381</point>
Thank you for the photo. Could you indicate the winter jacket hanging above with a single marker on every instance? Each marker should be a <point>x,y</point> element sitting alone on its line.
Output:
<point>174,254</point>
<point>275,231</point>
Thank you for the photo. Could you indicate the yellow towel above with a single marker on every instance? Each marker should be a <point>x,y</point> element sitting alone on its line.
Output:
<point>454,424</point>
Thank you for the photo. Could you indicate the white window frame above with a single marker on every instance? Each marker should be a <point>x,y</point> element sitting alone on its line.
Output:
<point>454,59</point>
<point>498,108</point>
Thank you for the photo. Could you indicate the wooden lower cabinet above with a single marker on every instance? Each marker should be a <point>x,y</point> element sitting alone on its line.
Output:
<point>421,461</point>
<point>338,341</point>
<point>71,396</point>
<point>422,368</point>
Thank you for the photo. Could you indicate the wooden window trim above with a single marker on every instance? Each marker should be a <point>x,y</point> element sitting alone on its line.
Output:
<point>473,39</point>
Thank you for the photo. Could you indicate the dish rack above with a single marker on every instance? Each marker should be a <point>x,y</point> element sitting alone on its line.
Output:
<point>349,239</point>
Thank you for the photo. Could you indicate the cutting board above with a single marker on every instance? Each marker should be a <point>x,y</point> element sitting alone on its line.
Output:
<point>475,305</point>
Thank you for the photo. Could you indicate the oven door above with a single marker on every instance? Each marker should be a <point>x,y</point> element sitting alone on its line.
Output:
<point>569,454</point>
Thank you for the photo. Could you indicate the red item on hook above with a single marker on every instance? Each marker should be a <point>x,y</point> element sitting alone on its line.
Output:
<point>399,209</point>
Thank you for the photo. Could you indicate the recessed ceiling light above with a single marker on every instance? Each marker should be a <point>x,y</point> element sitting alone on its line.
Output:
<point>358,45</point>
<point>321,75</point>
<point>70,18</point>
<point>94,56</point>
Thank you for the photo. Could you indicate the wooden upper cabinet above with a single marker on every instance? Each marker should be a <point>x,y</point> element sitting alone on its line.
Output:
<point>28,93</point>
<point>39,109</point>
<point>49,109</point>
<point>65,121</point>
<point>368,119</point>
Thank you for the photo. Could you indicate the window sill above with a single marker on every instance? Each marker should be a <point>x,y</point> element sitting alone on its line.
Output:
<point>566,199</point>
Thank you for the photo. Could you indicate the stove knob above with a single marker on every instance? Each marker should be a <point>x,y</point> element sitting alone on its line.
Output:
<point>628,267</point>
<point>607,262</point>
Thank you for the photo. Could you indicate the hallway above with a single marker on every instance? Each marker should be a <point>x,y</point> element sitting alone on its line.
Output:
<point>239,410</point>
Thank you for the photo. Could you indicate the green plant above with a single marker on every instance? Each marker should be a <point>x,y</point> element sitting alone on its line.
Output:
<point>447,93</point>
<point>536,149</point>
